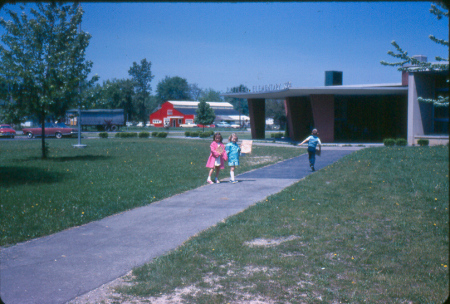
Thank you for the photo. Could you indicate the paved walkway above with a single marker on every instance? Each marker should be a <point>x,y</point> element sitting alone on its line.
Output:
<point>59,267</point>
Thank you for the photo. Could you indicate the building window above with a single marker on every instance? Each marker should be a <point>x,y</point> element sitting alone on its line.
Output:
<point>169,112</point>
<point>440,114</point>
<point>189,121</point>
<point>156,121</point>
<point>440,120</point>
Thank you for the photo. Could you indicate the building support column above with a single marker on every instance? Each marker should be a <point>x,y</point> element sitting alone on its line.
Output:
<point>299,117</point>
<point>420,115</point>
<point>257,111</point>
<point>323,113</point>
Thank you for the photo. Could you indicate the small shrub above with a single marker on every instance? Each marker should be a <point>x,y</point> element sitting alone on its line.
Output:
<point>154,134</point>
<point>144,134</point>
<point>125,134</point>
<point>162,134</point>
<point>389,142</point>
<point>423,142</point>
<point>276,135</point>
<point>103,135</point>
<point>204,134</point>
<point>195,134</point>
<point>401,142</point>
<point>187,133</point>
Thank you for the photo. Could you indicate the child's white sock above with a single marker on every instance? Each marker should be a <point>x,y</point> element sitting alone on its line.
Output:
<point>232,175</point>
<point>209,179</point>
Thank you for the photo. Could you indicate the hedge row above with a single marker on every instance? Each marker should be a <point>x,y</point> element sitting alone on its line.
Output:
<point>276,135</point>
<point>390,142</point>
<point>199,134</point>
<point>128,134</point>
<point>159,134</point>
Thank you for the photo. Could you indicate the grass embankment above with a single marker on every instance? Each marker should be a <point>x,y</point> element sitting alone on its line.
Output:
<point>372,228</point>
<point>75,186</point>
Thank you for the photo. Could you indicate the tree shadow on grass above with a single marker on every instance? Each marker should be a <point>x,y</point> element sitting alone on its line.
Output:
<point>69,158</point>
<point>16,176</point>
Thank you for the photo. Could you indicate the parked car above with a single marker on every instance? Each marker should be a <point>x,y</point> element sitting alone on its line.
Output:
<point>235,126</point>
<point>7,131</point>
<point>58,130</point>
<point>188,125</point>
<point>223,124</point>
<point>206,126</point>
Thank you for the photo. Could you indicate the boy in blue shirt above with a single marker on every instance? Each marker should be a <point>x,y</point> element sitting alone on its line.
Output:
<point>313,141</point>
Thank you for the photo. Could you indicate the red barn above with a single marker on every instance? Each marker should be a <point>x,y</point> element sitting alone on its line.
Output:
<point>175,113</point>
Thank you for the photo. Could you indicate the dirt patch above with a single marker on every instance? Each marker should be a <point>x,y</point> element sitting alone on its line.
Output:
<point>256,160</point>
<point>270,242</point>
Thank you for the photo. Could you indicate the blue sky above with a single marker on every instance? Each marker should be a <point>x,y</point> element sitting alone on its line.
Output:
<point>221,45</point>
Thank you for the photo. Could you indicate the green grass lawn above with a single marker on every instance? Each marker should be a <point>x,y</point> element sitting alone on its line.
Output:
<point>75,186</point>
<point>372,228</point>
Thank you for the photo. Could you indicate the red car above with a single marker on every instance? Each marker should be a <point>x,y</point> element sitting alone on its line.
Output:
<point>7,131</point>
<point>58,130</point>
<point>206,126</point>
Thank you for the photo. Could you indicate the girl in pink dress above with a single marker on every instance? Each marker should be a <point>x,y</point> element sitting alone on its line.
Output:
<point>217,157</point>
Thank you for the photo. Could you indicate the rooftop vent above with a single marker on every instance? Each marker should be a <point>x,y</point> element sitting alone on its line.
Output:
<point>421,58</point>
<point>333,78</point>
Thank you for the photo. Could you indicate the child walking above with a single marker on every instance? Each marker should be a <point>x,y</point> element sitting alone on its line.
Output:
<point>233,152</point>
<point>216,158</point>
<point>313,140</point>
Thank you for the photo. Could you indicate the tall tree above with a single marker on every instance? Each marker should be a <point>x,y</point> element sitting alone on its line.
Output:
<point>275,109</point>
<point>173,88</point>
<point>239,104</point>
<point>142,76</point>
<point>120,93</point>
<point>195,91</point>
<point>43,60</point>
<point>205,114</point>
<point>410,63</point>
<point>210,95</point>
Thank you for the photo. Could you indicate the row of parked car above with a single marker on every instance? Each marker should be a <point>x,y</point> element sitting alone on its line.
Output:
<point>222,124</point>
<point>58,130</point>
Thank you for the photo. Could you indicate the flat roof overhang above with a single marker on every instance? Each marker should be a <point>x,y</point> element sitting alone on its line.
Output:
<point>328,90</point>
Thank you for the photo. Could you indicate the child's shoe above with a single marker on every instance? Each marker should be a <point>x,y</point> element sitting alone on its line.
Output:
<point>234,182</point>
<point>209,182</point>
<point>217,181</point>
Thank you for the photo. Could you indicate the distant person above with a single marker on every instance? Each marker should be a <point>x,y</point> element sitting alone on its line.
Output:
<point>216,158</point>
<point>313,140</point>
<point>233,152</point>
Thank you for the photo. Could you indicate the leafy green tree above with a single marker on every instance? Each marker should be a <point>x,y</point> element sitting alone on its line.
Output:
<point>239,104</point>
<point>142,76</point>
<point>275,109</point>
<point>120,94</point>
<point>195,91</point>
<point>43,61</point>
<point>210,95</point>
<point>173,88</point>
<point>205,114</point>
<point>409,63</point>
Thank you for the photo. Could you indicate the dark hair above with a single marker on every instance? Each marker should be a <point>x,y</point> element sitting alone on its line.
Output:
<point>217,134</point>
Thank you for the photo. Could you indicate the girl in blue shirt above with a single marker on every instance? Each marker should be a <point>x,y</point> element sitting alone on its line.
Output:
<point>233,152</point>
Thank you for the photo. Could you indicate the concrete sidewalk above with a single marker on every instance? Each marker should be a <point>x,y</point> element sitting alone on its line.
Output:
<point>59,267</point>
